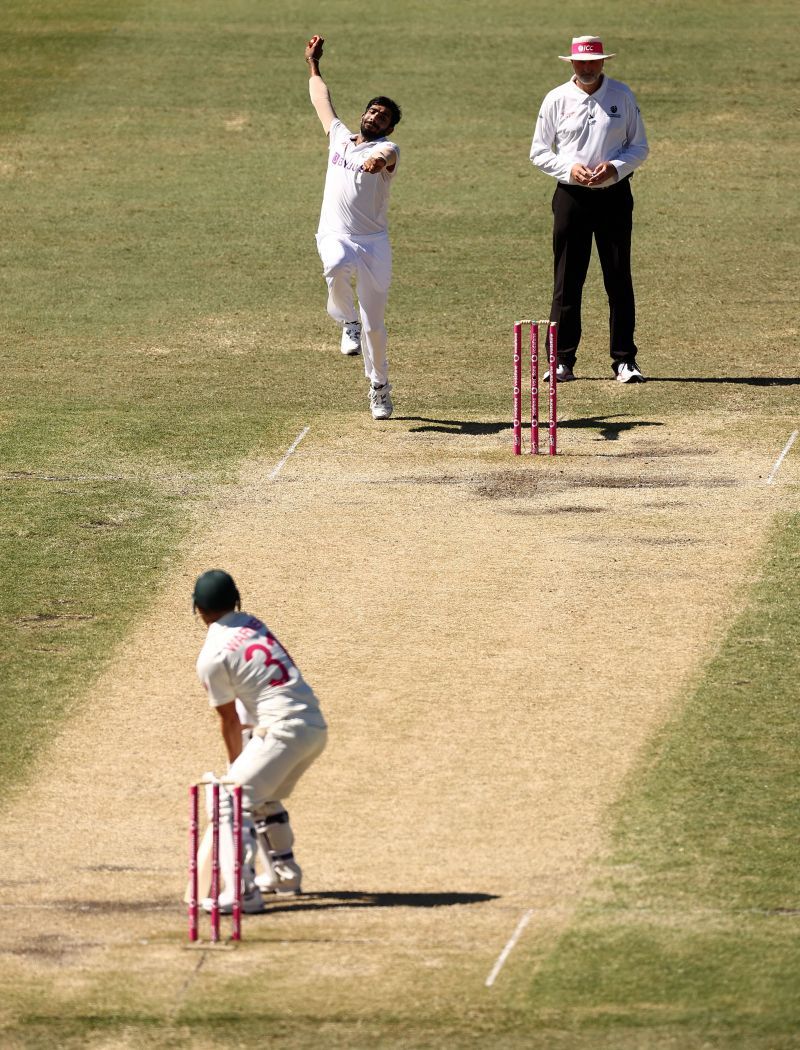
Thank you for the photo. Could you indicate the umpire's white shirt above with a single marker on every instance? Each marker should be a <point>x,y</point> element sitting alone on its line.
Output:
<point>354,203</point>
<point>576,128</point>
<point>241,659</point>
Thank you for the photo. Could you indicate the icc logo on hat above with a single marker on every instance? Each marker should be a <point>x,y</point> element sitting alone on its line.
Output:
<point>583,47</point>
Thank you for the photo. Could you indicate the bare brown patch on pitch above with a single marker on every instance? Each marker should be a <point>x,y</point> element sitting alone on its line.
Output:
<point>493,642</point>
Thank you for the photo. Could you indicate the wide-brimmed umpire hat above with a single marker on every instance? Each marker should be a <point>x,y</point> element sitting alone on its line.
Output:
<point>215,591</point>
<point>586,49</point>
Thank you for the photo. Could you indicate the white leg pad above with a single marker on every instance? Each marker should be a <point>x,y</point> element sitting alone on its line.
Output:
<point>252,902</point>
<point>275,837</point>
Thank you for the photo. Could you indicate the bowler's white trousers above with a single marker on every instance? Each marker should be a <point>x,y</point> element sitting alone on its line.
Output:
<point>369,258</point>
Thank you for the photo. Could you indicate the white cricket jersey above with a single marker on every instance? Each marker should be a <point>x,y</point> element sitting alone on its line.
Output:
<point>355,202</point>
<point>241,659</point>
<point>576,128</point>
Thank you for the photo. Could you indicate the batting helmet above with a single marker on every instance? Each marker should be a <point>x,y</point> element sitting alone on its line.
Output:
<point>215,591</point>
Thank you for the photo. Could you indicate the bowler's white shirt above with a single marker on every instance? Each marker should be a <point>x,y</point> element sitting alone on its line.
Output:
<point>576,128</point>
<point>241,659</point>
<point>355,202</point>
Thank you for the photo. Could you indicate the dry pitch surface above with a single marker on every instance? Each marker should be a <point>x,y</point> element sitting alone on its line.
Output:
<point>493,641</point>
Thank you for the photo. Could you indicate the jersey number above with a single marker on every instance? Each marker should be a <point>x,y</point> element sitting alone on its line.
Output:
<point>280,675</point>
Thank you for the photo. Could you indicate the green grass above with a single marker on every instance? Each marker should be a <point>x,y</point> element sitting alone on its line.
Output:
<point>77,553</point>
<point>693,923</point>
<point>162,313</point>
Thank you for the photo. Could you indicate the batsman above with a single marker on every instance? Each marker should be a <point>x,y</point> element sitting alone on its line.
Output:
<point>281,732</point>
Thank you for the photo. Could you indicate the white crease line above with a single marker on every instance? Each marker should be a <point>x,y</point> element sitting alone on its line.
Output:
<point>289,451</point>
<point>70,906</point>
<point>186,985</point>
<point>781,457</point>
<point>504,954</point>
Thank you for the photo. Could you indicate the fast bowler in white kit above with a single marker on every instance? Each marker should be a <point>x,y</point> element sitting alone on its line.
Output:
<point>244,667</point>
<point>353,238</point>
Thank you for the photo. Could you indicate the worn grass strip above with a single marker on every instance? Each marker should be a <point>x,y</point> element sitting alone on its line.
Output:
<point>694,926</point>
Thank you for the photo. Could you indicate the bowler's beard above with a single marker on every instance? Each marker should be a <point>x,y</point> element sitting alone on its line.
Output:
<point>370,134</point>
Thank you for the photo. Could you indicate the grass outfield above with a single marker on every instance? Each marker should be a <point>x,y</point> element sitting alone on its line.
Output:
<point>161,171</point>
<point>691,933</point>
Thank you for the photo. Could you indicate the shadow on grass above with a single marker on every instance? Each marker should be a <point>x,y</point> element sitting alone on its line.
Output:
<point>730,380</point>
<point>733,380</point>
<point>609,428</point>
<point>354,899</point>
<point>453,426</point>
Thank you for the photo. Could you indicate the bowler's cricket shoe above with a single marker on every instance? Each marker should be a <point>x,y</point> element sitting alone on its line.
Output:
<point>252,902</point>
<point>379,401</point>
<point>628,372</point>
<point>351,339</point>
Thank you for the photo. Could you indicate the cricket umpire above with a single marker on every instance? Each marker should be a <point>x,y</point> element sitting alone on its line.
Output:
<point>590,137</point>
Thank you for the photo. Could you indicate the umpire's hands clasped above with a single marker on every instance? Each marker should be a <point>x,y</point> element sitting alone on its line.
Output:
<point>593,176</point>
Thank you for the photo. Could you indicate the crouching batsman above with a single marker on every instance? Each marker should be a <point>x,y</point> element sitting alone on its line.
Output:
<point>281,731</point>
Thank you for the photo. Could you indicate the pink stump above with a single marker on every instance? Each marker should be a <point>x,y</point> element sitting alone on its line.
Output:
<point>236,917</point>
<point>517,421</point>
<point>534,388</point>
<point>553,363</point>
<point>215,862</point>
<point>194,846</point>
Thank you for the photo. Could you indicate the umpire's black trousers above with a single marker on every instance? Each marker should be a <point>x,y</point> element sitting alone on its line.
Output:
<point>607,215</point>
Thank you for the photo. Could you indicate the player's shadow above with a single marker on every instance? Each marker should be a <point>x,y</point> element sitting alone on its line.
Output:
<point>452,426</point>
<point>354,899</point>
<point>733,380</point>
<point>609,428</point>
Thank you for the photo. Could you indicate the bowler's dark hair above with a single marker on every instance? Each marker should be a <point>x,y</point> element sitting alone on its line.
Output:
<point>394,109</point>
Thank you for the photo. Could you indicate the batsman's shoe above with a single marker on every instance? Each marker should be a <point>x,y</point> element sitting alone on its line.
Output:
<point>351,339</point>
<point>628,372</point>
<point>564,374</point>
<point>380,403</point>
<point>252,902</point>
<point>281,883</point>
